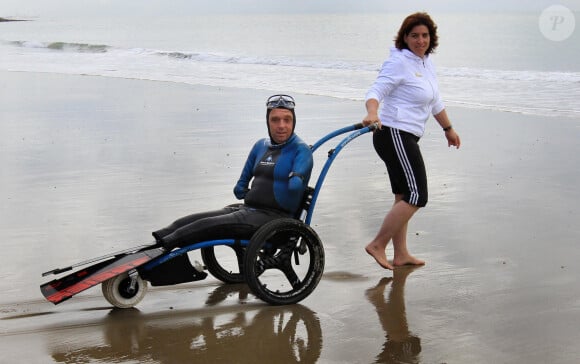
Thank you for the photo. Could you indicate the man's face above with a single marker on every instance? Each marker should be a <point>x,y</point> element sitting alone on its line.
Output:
<point>280,123</point>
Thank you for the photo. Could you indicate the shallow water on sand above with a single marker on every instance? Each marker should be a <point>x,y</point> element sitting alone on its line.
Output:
<point>96,175</point>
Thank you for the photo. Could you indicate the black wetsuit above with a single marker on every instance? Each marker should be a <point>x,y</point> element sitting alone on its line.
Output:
<point>279,175</point>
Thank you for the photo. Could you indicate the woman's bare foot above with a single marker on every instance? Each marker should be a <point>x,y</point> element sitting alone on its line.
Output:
<point>407,260</point>
<point>379,254</point>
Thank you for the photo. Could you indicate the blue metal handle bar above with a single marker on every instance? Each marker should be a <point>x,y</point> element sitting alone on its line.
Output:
<point>335,133</point>
<point>360,130</point>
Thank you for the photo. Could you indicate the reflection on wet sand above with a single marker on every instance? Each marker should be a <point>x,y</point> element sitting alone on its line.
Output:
<point>241,333</point>
<point>401,346</point>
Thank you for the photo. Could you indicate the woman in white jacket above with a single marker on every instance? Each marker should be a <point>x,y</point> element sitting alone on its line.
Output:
<point>407,88</point>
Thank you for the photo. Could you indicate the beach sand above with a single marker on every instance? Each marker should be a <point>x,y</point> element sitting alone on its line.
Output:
<point>92,165</point>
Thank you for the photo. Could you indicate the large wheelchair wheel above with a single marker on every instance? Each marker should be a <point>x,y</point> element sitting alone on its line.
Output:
<point>229,270</point>
<point>284,262</point>
<point>120,291</point>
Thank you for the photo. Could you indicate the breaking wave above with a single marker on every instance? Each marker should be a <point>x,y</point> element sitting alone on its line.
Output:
<point>462,72</point>
<point>527,91</point>
<point>64,46</point>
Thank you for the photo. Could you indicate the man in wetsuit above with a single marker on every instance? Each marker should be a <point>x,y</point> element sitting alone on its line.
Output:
<point>272,185</point>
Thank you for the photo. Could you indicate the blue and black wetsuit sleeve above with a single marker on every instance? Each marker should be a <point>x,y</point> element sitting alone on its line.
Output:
<point>301,169</point>
<point>296,168</point>
<point>242,186</point>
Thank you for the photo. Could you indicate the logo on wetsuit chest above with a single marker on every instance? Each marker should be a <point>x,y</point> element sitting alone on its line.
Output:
<point>269,160</point>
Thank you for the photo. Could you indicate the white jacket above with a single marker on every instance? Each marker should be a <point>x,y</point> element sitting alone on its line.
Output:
<point>407,87</point>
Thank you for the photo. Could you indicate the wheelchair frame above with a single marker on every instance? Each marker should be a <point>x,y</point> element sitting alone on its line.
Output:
<point>268,262</point>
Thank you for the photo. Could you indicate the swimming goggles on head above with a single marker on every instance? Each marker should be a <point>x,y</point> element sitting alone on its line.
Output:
<point>280,101</point>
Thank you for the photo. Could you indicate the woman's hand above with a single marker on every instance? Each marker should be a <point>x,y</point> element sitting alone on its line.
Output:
<point>372,117</point>
<point>450,134</point>
<point>452,138</point>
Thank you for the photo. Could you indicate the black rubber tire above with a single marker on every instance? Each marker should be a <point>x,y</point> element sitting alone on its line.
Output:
<point>208,256</point>
<point>270,261</point>
<point>116,293</point>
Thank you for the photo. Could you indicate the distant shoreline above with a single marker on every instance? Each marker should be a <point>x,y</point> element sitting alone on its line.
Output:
<point>7,20</point>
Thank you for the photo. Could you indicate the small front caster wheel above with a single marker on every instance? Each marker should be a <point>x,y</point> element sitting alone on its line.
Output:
<point>124,291</point>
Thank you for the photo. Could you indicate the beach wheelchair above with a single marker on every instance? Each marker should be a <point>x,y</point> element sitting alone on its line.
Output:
<point>282,262</point>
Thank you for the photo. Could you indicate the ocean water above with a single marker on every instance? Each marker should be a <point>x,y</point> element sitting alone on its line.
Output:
<point>498,61</point>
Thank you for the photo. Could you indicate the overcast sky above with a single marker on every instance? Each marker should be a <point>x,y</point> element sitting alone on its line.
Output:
<point>41,8</point>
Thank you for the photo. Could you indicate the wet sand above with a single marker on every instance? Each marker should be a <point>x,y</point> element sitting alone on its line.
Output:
<point>93,165</point>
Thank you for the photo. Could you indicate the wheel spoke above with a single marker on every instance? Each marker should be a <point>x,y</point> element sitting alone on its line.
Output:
<point>281,260</point>
<point>268,261</point>
<point>291,276</point>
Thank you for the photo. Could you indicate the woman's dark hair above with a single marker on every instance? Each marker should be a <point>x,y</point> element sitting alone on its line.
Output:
<point>412,21</point>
